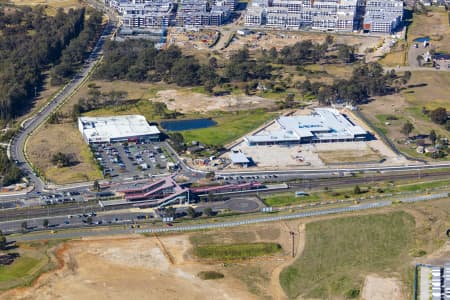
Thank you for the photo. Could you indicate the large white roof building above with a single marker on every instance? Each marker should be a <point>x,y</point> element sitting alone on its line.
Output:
<point>117,128</point>
<point>323,125</point>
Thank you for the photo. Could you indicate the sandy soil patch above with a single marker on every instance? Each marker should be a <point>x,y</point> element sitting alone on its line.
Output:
<point>347,153</point>
<point>381,288</point>
<point>127,269</point>
<point>187,101</point>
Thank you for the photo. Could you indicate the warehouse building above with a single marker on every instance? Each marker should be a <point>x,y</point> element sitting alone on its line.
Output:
<point>324,125</point>
<point>117,129</point>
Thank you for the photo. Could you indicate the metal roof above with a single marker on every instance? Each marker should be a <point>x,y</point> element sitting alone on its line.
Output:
<point>103,129</point>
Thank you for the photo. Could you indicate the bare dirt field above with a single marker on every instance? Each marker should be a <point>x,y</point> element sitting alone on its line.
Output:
<point>380,288</point>
<point>364,154</point>
<point>128,268</point>
<point>186,101</point>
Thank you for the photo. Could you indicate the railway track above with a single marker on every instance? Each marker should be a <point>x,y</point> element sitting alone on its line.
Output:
<point>80,208</point>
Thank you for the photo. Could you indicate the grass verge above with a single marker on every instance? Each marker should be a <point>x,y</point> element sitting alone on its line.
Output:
<point>236,251</point>
<point>339,252</point>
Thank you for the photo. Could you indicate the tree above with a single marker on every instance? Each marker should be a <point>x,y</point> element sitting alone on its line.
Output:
<point>210,196</point>
<point>208,211</point>
<point>407,76</point>
<point>273,53</point>
<point>24,226</point>
<point>45,223</point>
<point>210,175</point>
<point>419,59</point>
<point>3,242</point>
<point>289,101</point>
<point>407,128</point>
<point>159,108</point>
<point>433,136</point>
<point>439,115</point>
<point>213,62</point>
<point>178,141</point>
<point>191,212</point>
<point>170,212</point>
<point>96,186</point>
<point>61,159</point>
<point>357,190</point>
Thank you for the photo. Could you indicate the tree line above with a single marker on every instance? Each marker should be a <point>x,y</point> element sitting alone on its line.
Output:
<point>30,42</point>
<point>9,171</point>
<point>138,60</point>
<point>77,50</point>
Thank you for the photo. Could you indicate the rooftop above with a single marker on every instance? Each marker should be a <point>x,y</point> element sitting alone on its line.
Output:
<point>106,128</point>
<point>237,157</point>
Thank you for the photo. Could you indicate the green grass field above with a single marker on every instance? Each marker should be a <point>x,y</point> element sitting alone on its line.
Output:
<point>423,186</point>
<point>18,269</point>
<point>230,126</point>
<point>236,251</point>
<point>339,252</point>
<point>285,199</point>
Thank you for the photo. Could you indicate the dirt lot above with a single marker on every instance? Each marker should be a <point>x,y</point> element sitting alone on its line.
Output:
<point>136,267</point>
<point>379,288</point>
<point>364,154</point>
<point>186,101</point>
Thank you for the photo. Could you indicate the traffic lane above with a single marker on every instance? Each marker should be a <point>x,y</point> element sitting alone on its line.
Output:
<point>43,114</point>
<point>75,220</point>
<point>68,235</point>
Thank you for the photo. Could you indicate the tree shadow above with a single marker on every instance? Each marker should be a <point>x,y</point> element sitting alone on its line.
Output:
<point>8,258</point>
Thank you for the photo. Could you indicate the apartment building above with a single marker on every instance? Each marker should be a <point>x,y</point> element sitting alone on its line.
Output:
<point>383,16</point>
<point>326,15</point>
<point>255,16</point>
<point>162,13</point>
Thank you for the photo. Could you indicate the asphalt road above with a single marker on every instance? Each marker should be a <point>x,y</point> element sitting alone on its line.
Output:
<point>19,140</point>
<point>184,228</point>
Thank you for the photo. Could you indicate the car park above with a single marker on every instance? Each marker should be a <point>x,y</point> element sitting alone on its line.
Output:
<point>130,159</point>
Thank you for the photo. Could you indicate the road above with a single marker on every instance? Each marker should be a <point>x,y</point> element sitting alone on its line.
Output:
<point>245,221</point>
<point>18,143</point>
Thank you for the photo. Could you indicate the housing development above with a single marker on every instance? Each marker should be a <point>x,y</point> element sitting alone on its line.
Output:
<point>382,16</point>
